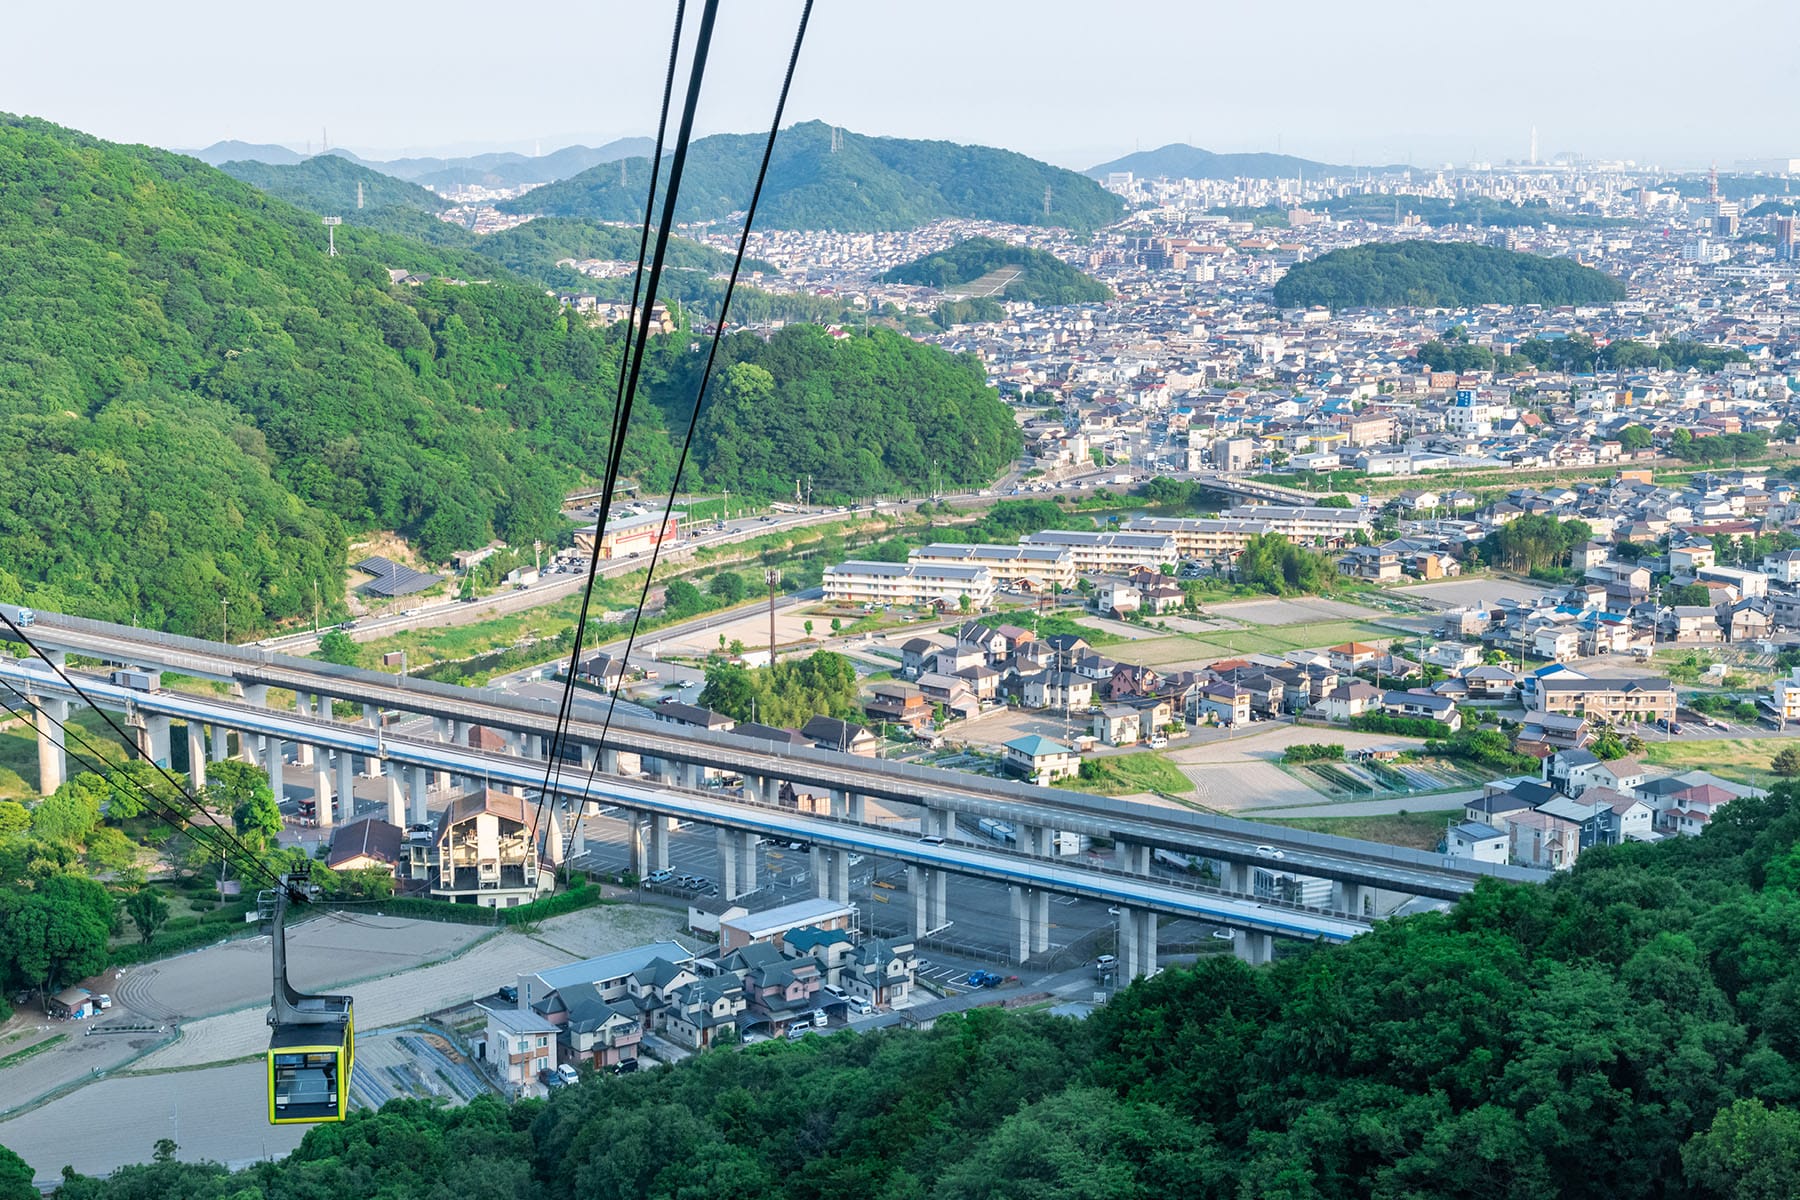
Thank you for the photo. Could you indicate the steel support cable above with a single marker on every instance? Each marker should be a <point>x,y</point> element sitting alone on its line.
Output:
<point>677,163</point>
<point>711,356</point>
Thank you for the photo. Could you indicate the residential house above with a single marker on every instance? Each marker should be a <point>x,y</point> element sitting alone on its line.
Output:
<point>899,704</point>
<point>487,851</point>
<point>916,655</point>
<point>1117,597</point>
<point>1489,682</point>
<point>831,733</point>
<point>1612,700</point>
<point>1476,840</point>
<point>697,1012</point>
<point>1040,759</point>
<point>1423,705</point>
<point>1353,656</point>
<point>1454,657</point>
<point>1118,725</point>
<point>519,1043</point>
<point>1375,563</point>
<point>882,971</point>
<point>1064,690</point>
<point>1227,703</point>
<point>589,1028</point>
<point>1129,680</point>
<point>368,844</point>
<point>1351,699</point>
<point>1692,623</point>
<point>1537,839</point>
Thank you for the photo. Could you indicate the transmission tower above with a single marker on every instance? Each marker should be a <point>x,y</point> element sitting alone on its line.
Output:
<point>359,194</point>
<point>331,224</point>
<point>1046,199</point>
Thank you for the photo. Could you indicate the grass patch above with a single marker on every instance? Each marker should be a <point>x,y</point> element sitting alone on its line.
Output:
<point>1420,831</point>
<point>1741,760</point>
<point>1136,771</point>
<point>19,1056</point>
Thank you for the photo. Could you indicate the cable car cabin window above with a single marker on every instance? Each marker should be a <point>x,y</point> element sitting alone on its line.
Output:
<point>309,1082</point>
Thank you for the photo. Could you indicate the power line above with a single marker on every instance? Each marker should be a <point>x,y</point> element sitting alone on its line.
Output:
<point>706,374</point>
<point>615,440</point>
<point>677,163</point>
<point>173,780</point>
<point>99,765</point>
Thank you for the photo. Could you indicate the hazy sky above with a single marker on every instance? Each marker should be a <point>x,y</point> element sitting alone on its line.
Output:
<point>1076,83</point>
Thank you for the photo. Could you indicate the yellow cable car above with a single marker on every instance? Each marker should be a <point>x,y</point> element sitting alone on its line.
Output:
<point>312,1039</point>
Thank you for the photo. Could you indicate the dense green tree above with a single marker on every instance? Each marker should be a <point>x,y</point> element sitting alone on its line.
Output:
<point>1440,275</point>
<point>1635,437</point>
<point>1749,1152</point>
<point>148,911</point>
<point>339,647</point>
<point>1533,542</point>
<point>243,790</point>
<point>1043,278</point>
<point>16,1178</point>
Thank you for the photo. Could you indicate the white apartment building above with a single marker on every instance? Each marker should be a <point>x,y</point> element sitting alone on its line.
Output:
<point>1303,523</point>
<point>858,582</point>
<point>1108,552</point>
<point>1045,565</point>
<point>1202,538</point>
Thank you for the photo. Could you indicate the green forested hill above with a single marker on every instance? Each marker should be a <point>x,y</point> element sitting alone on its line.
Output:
<point>868,183</point>
<point>1440,275</point>
<point>326,184</point>
<point>1044,278</point>
<point>196,403</point>
<point>1628,1030</point>
<point>1180,161</point>
<point>532,250</point>
<point>861,414</point>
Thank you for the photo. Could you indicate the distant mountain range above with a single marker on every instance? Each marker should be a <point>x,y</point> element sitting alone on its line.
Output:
<point>496,169</point>
<point>845,181</point>
<point>1181,161</point>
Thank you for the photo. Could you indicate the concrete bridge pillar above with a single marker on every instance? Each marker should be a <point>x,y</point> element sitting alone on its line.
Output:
<point>221,742</point>
<point>53,757</point>
<point>728,864</point>
<point>1349,897</point>
<point>303,754</point>
<point>322,794</point>
<point>274,764</point>
<point>1020,943</point>
<point>1147,947</point>
<point>256,693</point>
<point>609,760</point>
<point>937,822</point>
<point>396,799</point>
<point>534,745</point>
<point>1254,948</point>
<point>154,739</point>
<point>854,806</point>
<point>940,903</point>
<point>196,740</point>
<point>918,884</point>
<point>840,876</point>
<point>637,829</point>
<point>659,843</point>
<point>346,782</point>
<point>748,874</point>
<point>421,780</point>
<point>1132,858</point>
<point>444,782</point>
<point>440,728</point>
<point>372,716</point>
<point>1040,921</point>
<point>1235,877</point>
<point>1129,944</point>
<point>693,776</point>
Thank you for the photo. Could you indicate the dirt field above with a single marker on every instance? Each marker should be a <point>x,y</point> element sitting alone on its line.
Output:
<point>1468,591</point>
<point>1290,612</point>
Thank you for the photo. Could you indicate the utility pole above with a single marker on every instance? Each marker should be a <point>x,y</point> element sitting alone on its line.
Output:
<point>315,584</point>
<point>771,576</point>
<point>224,636</point>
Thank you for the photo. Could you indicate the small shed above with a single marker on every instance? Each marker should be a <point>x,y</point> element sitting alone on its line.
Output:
<point>73,1004</point>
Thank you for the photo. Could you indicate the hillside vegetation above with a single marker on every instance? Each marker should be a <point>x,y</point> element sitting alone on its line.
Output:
<point>326,184</point>
<point>1440,275</point>
<point>869,183</point>
<point>197,404</point>
<point>1627,1029</point>
<point>1044,278</point>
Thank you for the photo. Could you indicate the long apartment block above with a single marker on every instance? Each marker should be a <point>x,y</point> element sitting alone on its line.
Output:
<point>859,582</point>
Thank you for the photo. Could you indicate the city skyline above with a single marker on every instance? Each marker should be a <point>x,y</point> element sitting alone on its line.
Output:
<point>1327,84</point>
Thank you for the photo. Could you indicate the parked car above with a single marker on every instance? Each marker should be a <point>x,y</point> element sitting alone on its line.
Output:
<point>662,876</point>
<point>626,1067</point>
<point>567,1073</point>
<point>103,1001</point>
<point>862,1006</point>
<point>819,1019</point>
<point>509,993</point>
<point>1159,742</point>
<point>796,1032</point>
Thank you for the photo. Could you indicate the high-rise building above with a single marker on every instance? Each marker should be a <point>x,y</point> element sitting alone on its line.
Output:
<point>1787,238</point>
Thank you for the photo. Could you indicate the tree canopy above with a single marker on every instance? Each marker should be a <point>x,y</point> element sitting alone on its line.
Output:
<point>1440,275</point>
<point>1626,1029</point>
<point>865,183</point>
<point>1043,278</point>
